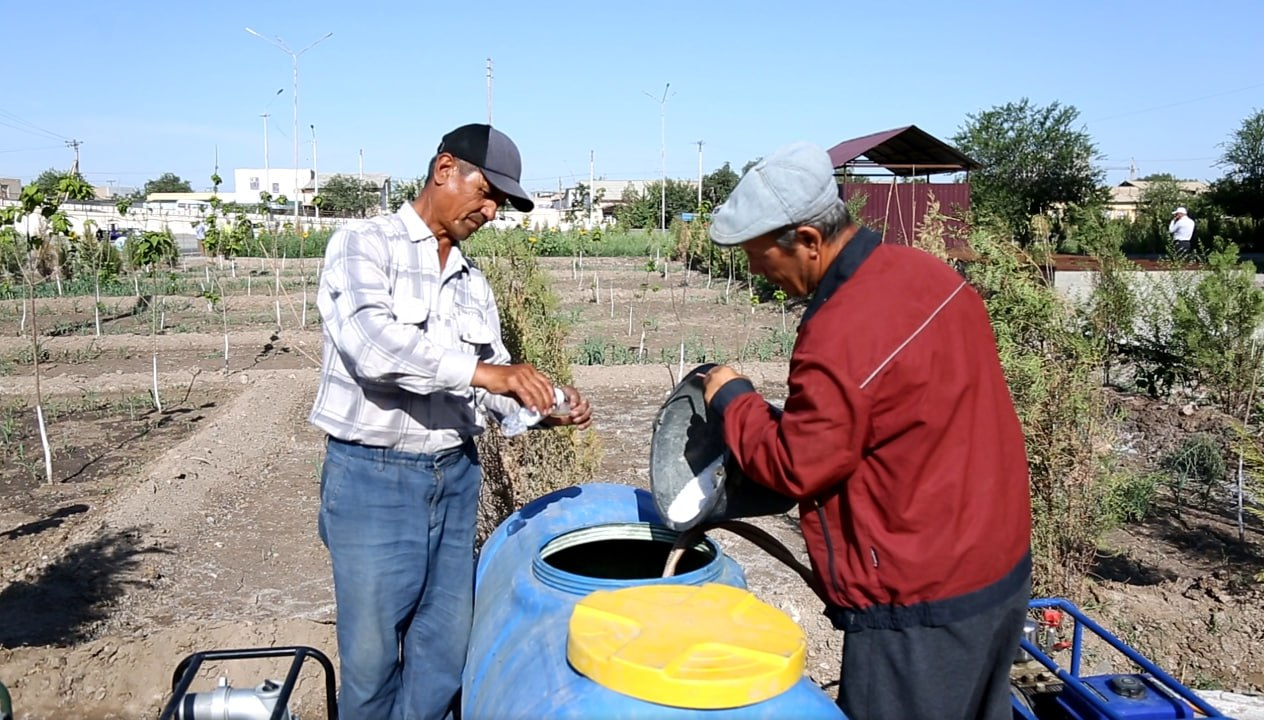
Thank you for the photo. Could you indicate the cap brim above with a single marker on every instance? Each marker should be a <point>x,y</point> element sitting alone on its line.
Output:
<point>510,187</point>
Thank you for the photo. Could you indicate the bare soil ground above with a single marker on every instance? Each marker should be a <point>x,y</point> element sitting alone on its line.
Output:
<point>193,528</point>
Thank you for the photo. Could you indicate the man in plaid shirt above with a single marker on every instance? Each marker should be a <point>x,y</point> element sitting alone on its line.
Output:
<point>413,361</point>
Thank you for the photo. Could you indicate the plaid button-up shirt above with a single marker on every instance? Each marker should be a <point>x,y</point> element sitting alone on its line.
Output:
<point>403,337</point>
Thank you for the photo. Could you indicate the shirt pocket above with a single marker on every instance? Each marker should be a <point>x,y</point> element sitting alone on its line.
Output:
<point>410,310</point>
<point>475,333</point>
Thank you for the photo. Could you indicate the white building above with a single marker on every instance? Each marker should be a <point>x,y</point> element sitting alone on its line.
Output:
<point>249,182</point>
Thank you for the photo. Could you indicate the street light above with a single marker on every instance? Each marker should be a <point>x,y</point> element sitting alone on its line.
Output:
<point>294,56</point>
<point>662,103</point>
<point>315,178</point>
<point>700,143</point>
<point>267,170</point>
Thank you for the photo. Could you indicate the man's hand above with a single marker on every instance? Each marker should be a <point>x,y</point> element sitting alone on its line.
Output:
<point>715,379</point>
<point>580,415</point>
<point>522,382</point>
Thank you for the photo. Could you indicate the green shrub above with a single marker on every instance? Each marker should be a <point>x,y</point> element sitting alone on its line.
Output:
<point>1214,321</point>
<point>517,470</point>
<point>1197,466</point>
<point>1129,496</point>
<point>1050,366</point>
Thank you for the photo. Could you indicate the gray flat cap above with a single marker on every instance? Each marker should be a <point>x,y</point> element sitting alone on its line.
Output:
<point>792,185</point>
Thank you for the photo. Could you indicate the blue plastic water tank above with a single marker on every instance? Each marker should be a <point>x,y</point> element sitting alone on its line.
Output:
<point>548,556</point>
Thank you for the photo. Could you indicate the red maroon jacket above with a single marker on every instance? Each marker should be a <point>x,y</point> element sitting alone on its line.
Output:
<point>900,441</point>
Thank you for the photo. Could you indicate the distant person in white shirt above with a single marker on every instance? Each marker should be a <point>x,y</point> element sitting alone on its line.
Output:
<point>1181,229</point>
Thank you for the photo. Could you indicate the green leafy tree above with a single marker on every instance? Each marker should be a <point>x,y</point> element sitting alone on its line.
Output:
<point>718,185</point>
<point>1241,190</point>
<point>33,200</point>
<point>49,181</point>
<point>644,209</point>
<point>1033,159</point>
<point>1214,325</point>
<point>1154,210</point>
<point>346,196</point>
<point>167,183</point>
<point>405,192</point>
<point>148,251</point>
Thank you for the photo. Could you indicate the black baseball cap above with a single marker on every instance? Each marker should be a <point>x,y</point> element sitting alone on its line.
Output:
<point>495,154</point>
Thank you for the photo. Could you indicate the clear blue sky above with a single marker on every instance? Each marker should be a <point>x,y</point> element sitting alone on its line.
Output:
<point>152,87</point>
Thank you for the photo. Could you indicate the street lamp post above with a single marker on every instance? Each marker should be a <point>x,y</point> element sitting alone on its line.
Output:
<point>662,103</point>
<point>294,56</point>
<point>315,177</point>
<point>700,143</point>
<point>267,165</point>
<point>298,194</point>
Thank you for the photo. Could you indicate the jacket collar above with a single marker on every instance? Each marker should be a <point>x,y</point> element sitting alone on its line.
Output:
<point>854,253</point>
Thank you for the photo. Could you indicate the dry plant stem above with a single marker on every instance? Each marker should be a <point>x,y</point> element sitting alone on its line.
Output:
<point>189,389</point>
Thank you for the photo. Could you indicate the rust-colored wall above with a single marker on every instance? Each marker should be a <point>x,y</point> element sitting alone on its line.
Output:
<point>896,209</point>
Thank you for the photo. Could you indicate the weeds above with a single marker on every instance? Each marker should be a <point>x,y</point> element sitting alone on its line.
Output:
<point>1050,366</point>
<point>516,470</point>
<point>1197,465</point>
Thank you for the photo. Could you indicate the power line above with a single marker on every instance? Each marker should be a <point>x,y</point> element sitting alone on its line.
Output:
<point>1178,103</point>
<point>30,127</point>
<point>32,149</point>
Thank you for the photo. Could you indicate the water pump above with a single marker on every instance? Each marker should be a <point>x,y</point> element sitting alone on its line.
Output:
<point>267,701</point>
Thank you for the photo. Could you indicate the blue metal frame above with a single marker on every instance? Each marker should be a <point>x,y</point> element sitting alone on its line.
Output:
<point>1072,680</point>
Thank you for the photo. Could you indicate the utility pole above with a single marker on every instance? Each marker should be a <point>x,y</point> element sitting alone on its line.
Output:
<point>360,187</point>
<point>74,145</point>
<point>700,143</point>
<point>489,91</point>
<point>590,187</point>
<point>315,177</point>
<point>662,104</point>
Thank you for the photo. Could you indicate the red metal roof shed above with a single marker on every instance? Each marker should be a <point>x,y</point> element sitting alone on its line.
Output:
<point>897,208</point>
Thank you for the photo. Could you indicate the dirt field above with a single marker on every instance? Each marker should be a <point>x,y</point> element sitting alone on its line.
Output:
<point>193,528</point>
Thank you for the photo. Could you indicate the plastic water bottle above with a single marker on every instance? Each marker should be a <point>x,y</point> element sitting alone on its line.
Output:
<point>519,422</point>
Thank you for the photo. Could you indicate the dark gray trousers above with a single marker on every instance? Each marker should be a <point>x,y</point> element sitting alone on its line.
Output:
<point>957,671</point>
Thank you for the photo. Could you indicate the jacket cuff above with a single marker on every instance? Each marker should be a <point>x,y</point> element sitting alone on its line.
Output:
<point>729,392</point>
<point>456,370</point>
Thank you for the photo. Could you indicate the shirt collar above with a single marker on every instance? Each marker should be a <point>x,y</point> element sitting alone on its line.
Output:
<point>419,232</point>
<point>417,228</point>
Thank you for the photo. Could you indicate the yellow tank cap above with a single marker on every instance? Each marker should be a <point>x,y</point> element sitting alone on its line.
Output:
<point>705,647</point>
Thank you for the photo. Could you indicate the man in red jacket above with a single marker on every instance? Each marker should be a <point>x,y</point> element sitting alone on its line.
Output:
<point>900,442</point>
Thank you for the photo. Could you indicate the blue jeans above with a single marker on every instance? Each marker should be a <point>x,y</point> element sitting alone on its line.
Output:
<point>400,531</point>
